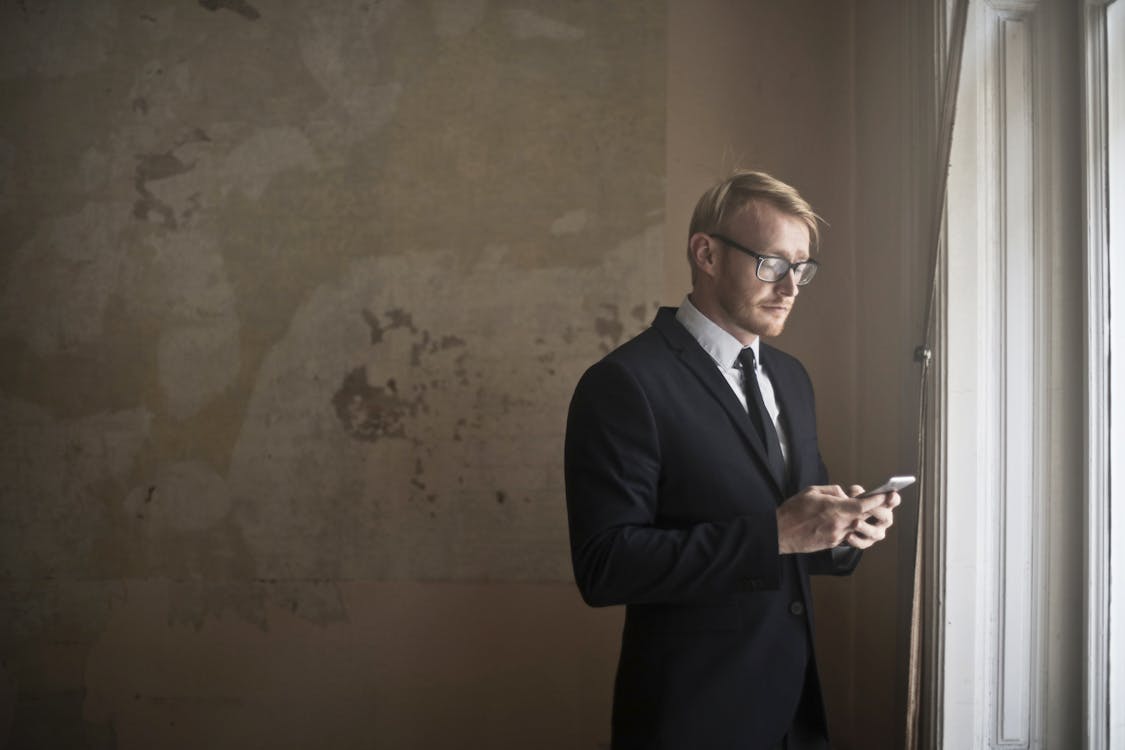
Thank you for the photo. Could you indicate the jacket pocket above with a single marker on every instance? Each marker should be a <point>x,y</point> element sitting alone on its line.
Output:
<point>682,618</point>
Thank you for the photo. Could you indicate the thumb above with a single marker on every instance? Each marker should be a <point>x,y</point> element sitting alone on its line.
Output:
<point>867,504</point>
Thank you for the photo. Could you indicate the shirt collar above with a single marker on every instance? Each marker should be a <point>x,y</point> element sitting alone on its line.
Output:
<point>720,345</point>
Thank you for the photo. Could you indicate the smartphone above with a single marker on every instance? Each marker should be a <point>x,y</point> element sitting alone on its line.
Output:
<point>894,484</point>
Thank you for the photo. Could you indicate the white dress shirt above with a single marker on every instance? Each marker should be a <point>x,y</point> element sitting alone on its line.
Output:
<point>724,350</point>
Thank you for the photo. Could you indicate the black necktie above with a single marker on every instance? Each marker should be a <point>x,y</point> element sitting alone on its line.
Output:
<point>761,418</point>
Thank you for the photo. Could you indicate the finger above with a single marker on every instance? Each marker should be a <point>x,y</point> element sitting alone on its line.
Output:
<point>881,516</point>
<point>859,507</point>
<point>867,504</point>
<point>855,490</point>
<point>828,492</point>
<point>873,532</point>
<point>890,499</point>
<point>857,540</point>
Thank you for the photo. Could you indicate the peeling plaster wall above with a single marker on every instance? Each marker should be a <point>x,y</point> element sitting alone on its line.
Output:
<point>292,300</point>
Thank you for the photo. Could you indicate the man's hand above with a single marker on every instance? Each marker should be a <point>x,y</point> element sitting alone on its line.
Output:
<point>823,517</point>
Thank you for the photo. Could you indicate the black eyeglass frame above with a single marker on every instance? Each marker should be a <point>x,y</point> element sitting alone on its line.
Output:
<point>796,267</point>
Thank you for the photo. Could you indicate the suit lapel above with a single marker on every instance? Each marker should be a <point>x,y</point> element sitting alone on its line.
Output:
<point>701,365</point>
<point>789,401</point>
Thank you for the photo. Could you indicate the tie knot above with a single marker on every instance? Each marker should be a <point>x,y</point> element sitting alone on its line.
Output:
<point>747,360</point>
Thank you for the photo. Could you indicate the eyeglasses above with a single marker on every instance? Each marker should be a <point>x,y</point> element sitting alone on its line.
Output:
<point>771,268</point>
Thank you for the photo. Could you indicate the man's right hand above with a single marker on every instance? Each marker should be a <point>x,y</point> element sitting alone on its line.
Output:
<point>823,517</point>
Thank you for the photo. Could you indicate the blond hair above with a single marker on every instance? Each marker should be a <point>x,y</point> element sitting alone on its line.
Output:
<point>742,187</point>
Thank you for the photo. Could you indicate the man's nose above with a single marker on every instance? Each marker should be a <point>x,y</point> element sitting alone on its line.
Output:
<point>787,284</point>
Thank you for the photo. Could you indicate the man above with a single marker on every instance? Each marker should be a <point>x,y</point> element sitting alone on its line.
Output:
<point>697,496</point>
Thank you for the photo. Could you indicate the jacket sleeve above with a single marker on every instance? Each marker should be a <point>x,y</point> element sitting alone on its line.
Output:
<point>621,551</point>
<point>840,561</point>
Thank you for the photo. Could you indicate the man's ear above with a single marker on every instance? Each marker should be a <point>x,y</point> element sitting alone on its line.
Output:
<point>701,253</point>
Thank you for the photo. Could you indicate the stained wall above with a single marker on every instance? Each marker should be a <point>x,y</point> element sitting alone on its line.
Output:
<point>292,300</point>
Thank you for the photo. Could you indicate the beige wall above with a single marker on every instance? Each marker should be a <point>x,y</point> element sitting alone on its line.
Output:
<point>293,297</point>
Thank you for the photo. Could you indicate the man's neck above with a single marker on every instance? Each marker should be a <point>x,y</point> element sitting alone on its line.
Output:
<point>713,314</point>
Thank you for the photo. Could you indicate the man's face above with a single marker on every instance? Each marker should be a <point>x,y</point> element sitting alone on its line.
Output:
<point>749,306</point>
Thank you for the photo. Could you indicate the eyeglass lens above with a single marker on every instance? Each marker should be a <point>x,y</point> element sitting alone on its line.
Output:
<point>774,269</point>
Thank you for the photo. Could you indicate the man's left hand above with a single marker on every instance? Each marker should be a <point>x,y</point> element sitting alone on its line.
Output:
<point>874,527</point>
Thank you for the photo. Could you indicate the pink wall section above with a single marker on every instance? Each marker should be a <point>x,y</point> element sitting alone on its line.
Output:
<point>484,665</point>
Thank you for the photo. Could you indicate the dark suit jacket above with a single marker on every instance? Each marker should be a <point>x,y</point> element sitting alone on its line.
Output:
<point>672,512</point>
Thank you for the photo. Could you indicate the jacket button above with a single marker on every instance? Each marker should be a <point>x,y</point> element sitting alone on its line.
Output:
<point>796,608</point>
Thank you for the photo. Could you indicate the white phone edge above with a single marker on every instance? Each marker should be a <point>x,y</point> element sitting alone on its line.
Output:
<point>894,484</point>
